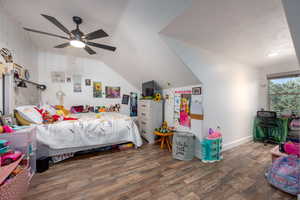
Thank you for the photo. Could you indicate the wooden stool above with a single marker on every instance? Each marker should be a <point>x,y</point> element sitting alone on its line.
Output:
<point>164,138</point>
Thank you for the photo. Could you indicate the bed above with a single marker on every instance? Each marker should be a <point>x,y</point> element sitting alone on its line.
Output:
<point>88,132</point>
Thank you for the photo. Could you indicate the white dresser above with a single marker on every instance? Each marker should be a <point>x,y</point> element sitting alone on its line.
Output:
<point>149,118</point>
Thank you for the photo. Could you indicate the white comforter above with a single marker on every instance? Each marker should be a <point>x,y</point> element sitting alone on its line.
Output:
<point>110,128</point>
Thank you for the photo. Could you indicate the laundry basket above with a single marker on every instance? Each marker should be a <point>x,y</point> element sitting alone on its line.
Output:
<point>183,146</point>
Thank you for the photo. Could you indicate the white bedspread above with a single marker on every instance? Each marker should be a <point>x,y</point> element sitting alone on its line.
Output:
<point>110,128</point>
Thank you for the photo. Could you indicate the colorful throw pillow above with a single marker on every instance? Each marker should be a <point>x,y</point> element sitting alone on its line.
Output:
<point>30,114</point>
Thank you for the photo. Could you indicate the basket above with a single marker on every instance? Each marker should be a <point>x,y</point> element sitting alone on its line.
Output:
<point>183,146</point>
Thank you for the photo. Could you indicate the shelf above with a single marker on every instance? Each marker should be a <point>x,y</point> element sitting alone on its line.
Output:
<point>5,171</point>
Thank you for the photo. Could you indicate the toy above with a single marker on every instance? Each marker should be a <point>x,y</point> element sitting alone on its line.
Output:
<point>164,128</point>
<point>212,147</point>
<point>8,156</point>
<point>7,129</point>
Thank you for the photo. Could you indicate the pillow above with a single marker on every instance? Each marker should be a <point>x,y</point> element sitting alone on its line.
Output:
<point>21,121</point>
<point>30,114</point>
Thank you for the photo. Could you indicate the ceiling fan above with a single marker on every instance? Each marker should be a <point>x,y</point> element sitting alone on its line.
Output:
<point>76,37</point>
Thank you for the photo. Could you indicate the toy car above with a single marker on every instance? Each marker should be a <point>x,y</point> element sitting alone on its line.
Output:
<point>7,155</point>
<point>10,157</point>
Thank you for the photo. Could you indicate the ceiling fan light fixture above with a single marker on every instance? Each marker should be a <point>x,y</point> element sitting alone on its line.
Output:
<point>77,43</point>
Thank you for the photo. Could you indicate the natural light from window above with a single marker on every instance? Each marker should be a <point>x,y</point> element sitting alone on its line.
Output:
<point>284,95</point>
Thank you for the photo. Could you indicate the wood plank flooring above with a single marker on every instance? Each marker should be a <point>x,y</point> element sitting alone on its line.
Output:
<point>151,173</point>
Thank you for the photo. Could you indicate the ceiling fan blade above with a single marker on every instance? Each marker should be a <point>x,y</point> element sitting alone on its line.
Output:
<point>89,50</point>
<point>57,23</point>
<point>102,46</point>
<point>50,34</point>
<point>96,34</point>
<point>63,45</point>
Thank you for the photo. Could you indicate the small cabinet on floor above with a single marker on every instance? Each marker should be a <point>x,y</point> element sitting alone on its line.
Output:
<point>149,118</point>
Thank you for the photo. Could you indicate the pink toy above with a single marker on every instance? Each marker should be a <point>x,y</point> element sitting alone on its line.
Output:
<point>292,148</point>
<point>7,129</point>
<point>213,134</point>
<point>10,157</point>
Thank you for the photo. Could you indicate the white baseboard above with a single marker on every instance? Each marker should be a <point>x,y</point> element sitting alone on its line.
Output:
<point>236,143</point>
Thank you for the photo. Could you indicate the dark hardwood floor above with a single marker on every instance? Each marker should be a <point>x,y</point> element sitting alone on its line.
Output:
<point>151,173</point>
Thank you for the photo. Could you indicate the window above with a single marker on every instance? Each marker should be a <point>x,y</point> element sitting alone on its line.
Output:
<point>284,94</point>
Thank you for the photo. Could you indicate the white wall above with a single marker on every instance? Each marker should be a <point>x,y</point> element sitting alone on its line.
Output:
<point>230,92</point>
<point>140,48</point>
<point>89,69</point>
<point>13,37</point>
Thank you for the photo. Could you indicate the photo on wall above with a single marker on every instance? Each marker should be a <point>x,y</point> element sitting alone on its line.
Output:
<point>97,89</point>
<point>88,82</point>
<point>77,87</point>
<point>113,92</point>
<point>196,91</point>
<point>125,99</point>
<point>77,83</point>
<point>68,79</point>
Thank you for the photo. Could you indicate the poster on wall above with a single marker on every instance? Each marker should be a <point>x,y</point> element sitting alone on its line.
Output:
<point>185,107</point>
<point>182,104</point>
<point>133,104</point>
<point>113,92</point>
<point>97,89</point>
<point>58,77</point>
<point>77,83</point>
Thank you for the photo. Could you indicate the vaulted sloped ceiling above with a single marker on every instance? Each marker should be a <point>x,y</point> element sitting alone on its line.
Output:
<point>133,25</point>
<point>244,30</point>
<point>292,8</point>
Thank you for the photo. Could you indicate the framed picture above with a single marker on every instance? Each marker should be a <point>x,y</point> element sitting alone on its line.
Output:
<point>97,89</point>
<point>88,82</point>
<point>196,91</point>
<point>113,92</point>
<point>69,79</point>
<point>125,99</point>
<point>77,87</point>
<point>8,120</point>
<point>19,71</point>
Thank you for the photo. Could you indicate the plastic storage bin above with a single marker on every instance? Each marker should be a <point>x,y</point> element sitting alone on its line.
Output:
<point>212,150</point>
<point>183,146</point>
